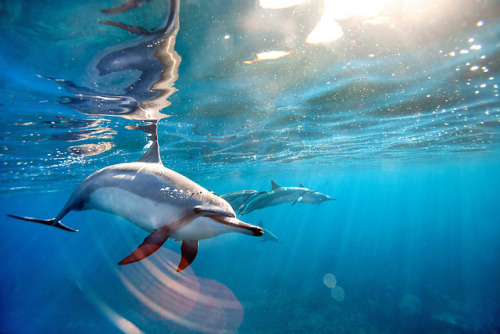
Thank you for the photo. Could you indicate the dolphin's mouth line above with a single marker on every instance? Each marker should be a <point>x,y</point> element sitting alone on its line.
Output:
<point>209,213</point>
<point>256,230</point>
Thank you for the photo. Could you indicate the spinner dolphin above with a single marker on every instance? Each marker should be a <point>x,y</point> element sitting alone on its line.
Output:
<point>240,199</point>
<point>158,200</point>
<point>281,195</point>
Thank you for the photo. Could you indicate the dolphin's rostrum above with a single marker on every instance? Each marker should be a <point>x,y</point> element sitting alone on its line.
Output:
<point>158,200</point>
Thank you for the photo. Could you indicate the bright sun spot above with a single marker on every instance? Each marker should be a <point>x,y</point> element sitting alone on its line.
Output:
<point>268,55</point>
<point>328,29</point>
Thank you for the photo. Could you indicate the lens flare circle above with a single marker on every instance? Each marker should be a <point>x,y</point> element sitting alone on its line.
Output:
<point>329,280</point>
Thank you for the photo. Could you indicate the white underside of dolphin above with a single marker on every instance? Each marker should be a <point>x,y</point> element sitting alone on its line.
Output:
<point>159,201</point>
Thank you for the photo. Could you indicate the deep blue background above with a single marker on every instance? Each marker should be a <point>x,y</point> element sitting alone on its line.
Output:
<point>431,231</point>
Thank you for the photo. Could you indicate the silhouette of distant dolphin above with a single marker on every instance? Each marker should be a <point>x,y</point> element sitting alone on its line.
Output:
<point>280,195</point>
<point>268,235</point>
<point>158,200</point>
<point>239,199</point>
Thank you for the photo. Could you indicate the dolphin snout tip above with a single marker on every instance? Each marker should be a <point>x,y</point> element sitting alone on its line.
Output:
<point>248,229</point>
<point>258,231</point>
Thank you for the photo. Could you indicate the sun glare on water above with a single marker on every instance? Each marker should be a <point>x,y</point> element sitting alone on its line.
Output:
<point>328,28</point>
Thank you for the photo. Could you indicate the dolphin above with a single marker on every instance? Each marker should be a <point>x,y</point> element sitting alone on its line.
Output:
<point>239,199</point>
<point>158,200</point>
<point>280,195</point>
<point>268,235</point>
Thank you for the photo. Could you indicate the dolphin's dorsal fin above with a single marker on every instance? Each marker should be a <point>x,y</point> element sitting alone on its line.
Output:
<point>152,155</point>
<point>301,186</point>
<point>274,186</point>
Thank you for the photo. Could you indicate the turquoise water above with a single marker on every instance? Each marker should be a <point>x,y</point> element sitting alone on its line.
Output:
<point>396,116</point>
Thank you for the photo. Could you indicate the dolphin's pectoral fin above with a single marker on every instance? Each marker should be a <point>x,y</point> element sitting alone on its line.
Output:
<point>150,245</point>
<point>241,207</point>
<point>297,201</point>
<point>156,239</point>
<point>189,249</point>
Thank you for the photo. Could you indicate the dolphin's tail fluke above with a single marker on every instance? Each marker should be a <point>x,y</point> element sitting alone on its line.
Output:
<point>50,222</point>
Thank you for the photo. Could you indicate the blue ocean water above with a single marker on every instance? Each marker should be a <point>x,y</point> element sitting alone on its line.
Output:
<point>391,108</point>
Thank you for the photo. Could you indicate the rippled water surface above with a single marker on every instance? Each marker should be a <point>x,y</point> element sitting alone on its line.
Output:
<point>391,107</point>
<point>415,83</point>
